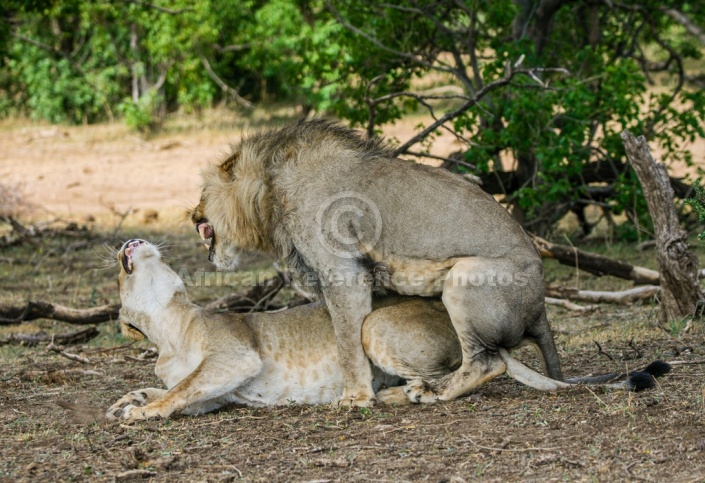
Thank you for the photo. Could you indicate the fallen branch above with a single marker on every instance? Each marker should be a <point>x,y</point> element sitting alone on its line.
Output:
<point>74,357</point>
<point>132,474</point>
<point>256,298</point>
<point>58,374</point>
<point>14,314</point>
<point>568,305</point>
<point>596,264</point>
<point>78,337</point>
<point>600,351</point>
<point>624,297</point>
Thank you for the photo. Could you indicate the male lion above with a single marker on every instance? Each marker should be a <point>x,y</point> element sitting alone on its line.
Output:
<point>348,216</point>
<point>208,359</point>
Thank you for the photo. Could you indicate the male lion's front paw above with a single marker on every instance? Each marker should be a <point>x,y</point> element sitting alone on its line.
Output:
<point>420,392</point>
<point>126,407</point>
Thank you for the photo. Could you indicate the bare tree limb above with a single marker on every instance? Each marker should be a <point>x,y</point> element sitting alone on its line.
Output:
<point>159,8</point>
<point>225,87</point>
<point>232,48</point>
<point>380,45</point>
<point>13,314</point>
<point>683,19</point>
<point>442,158</point>
<point>506,79</point>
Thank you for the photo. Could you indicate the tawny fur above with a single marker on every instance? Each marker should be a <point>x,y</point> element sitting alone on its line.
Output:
<point>411,229</point>
<point>208,359</point>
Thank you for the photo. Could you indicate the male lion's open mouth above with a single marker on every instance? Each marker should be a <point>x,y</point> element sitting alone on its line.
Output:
<point>126,254</point>
<point>208,234</point>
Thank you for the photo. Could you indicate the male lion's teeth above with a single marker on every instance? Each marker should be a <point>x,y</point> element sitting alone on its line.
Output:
<point>205,230</point>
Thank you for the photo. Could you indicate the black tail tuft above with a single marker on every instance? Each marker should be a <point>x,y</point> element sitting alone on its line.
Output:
<point>639,380</point>
<point>657,368</point>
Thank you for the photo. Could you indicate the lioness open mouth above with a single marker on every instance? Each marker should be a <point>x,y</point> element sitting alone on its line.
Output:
<point>127,250</point>
<point>207,233</point>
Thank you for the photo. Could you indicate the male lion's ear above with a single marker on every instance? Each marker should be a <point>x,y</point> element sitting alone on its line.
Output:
<point>227,165</point>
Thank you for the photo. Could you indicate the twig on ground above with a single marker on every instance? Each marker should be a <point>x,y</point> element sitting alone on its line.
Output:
<point>77,337</point>
<point>131,474</point>
<point>510,450</point>
<point>101,350</point>
<point>686,363</point>
<point>31,375</point>
<point>568,305</point>
<point>60,350</point>
<point>121,217</point>
<point>639,355</point>
<point>600,351</point>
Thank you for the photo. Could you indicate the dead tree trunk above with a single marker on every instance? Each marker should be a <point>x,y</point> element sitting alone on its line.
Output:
<point>681,296</point>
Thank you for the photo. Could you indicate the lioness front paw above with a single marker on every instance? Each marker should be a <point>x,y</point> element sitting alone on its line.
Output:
<point>128,413</point>
<point>124,407</point>
<point>357,401</point>
<point>420,392</point>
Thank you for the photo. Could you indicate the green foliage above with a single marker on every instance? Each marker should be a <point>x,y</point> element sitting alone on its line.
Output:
<point>138,115</point>
<point>697,203</point>
<point>550,132</point>
<point>372,63</point>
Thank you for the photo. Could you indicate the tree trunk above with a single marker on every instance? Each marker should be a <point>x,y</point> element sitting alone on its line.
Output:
<point>678,267</point>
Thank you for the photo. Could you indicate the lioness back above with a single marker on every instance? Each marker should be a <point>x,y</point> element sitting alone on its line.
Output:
<point>299,355</point>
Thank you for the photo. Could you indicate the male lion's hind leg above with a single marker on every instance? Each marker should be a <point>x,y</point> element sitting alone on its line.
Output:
<point>474,371</point>
<point>485,309</point>
<point>134,399</point>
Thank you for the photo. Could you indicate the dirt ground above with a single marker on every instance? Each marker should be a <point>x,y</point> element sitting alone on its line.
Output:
<point>503,432</point>
<point>92,170</point>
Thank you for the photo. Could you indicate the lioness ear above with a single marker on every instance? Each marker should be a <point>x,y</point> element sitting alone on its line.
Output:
<point>227,166</point>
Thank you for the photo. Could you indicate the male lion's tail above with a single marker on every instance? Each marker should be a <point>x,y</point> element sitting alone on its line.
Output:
<point>630,381</point>
<point>633,381</point>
